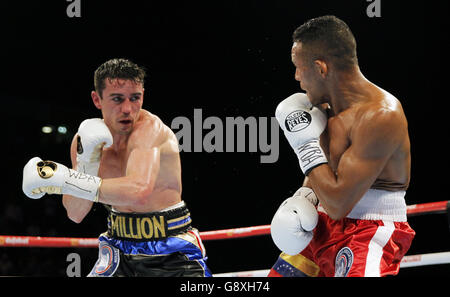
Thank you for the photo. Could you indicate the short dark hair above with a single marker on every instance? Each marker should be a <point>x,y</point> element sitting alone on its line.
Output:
<point>328,37</point>
<point>117,68</point>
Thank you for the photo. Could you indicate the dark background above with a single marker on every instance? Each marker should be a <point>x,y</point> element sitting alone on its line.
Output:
<point>229,58</point>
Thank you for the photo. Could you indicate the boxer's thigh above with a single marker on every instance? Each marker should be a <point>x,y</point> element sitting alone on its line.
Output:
<point>367,251</point>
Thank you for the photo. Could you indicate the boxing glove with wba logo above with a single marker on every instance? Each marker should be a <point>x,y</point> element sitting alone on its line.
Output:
<point>302,125</point>
<point>41,177</point>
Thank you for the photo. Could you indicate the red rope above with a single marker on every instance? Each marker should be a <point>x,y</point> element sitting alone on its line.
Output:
<point>38,241</point>
<point>431,207</point>
<point>235,233</point>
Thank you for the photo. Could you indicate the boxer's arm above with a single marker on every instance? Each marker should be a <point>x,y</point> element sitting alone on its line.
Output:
<point>307,183</point>
<point>142,168</point>
<point>373,142</point>
<point>76,208</point>
<point>135,187</point>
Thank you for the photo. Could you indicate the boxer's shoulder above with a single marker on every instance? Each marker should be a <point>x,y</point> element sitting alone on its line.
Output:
<point>378,129</point>
<point>150,131</point>
<point>380,111</point>
<point>380,116</point>
<point>371,122</point>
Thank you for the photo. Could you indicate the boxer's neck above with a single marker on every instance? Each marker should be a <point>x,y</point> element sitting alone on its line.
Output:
<point>120,142</point>
<point>348,88</point>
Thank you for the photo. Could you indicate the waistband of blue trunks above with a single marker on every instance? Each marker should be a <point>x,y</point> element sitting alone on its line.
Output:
<point>148,226</point>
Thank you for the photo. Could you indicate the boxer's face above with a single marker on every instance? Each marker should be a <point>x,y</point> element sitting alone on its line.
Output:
<point>120,104</point>
<point>306,74</point>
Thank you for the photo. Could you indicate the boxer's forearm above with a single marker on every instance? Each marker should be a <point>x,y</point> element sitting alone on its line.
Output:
<point>324,183</point>
<point>337,194</point>
<point>122,191</point>
<point>76,208</point>
<point>125,191</point>
<point>306,183</point>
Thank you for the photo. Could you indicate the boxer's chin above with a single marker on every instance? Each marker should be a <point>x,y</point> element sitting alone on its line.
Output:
<point>311,98</point>
<point>124,127</point>
<point>315,101</point>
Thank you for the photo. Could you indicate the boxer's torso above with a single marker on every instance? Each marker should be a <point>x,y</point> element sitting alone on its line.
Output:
<point>337,138</point>
<point>167,189</point>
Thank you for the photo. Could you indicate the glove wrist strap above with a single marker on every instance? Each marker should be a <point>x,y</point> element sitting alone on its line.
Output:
<point>81,185</point>
<point>310,155</point>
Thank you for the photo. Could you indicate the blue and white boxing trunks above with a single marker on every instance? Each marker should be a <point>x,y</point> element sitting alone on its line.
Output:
<point>151,244</point>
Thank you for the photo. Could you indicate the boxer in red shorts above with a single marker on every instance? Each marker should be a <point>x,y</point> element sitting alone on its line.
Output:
<point>351,139</point>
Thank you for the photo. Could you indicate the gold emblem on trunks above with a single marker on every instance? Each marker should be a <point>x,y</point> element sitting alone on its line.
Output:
<point>46,169</point>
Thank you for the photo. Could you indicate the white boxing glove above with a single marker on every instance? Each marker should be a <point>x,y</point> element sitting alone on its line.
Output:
<point>93,135</point>
<point>302,125</point>
<point>293,224</point>
<point>41,177</point>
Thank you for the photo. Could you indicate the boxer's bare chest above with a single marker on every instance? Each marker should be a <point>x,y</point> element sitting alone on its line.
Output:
<point>113,164</point>
<point>337,137</point>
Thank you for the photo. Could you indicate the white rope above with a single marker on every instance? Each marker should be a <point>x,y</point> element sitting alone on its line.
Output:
<point>425,259</point>
<point>251,273</point>
<point>407,261</point>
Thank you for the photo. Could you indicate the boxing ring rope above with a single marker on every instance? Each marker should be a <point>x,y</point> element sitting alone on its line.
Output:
<point>69,242</point>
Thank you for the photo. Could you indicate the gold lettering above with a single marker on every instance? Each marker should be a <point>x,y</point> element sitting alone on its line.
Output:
<point>119,222</point>
<point>150,228</point>
<point>115,224</point>
<point>138,228</point>
<point>124,228</point>
<point>130,223</point>
<point>159,226</point>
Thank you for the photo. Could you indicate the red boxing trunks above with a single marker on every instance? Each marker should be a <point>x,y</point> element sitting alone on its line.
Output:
<point>370,241</point>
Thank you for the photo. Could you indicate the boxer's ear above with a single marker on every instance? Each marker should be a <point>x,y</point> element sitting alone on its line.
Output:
<point>321,67</point>
<point>96,99</point>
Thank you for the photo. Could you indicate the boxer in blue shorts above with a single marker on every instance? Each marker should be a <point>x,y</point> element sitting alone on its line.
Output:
<point>129,161</point>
